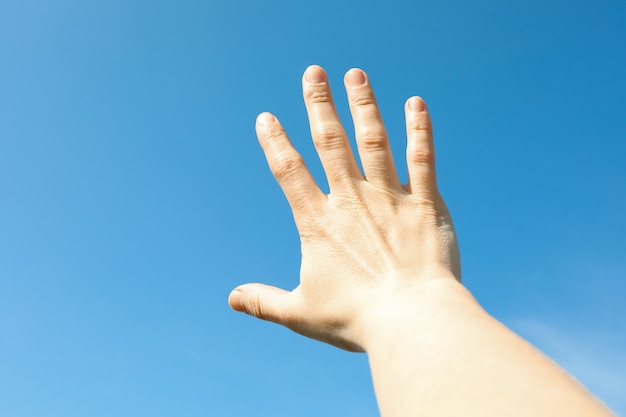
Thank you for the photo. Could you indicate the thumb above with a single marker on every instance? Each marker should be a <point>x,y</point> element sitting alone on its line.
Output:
<point>263,301</point>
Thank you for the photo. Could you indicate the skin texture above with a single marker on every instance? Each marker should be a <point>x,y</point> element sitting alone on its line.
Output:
<point>381,272</point>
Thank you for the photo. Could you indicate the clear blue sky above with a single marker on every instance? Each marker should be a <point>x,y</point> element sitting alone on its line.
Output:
<point>134,196</point>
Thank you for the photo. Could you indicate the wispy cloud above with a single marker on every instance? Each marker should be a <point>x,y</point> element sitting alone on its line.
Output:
<point>596,359</point>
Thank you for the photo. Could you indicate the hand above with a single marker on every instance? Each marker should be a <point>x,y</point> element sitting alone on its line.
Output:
<point>371,241</point>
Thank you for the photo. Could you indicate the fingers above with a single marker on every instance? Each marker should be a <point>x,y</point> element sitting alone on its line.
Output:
<point>264,302</point>
<point>287,165</point>
<point>371,136</point>
<point>420,152</point>
<point>328,134</point>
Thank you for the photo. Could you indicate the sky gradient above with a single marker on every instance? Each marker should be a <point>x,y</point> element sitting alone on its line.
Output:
<point>134,195</point>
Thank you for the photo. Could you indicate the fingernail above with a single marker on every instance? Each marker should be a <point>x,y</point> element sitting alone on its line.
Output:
<point>236,300</point>
<point>314,75</point>
<point>416,104</point>
<point>265,118</point>
<point>355,78</point>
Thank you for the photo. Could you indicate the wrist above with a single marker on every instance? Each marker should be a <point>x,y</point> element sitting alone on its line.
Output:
<point>412,313</point>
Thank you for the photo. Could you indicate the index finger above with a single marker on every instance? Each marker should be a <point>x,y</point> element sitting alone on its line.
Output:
<point>287,166</point>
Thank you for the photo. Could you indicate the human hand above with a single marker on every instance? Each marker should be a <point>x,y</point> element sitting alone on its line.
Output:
<point>371,241</point>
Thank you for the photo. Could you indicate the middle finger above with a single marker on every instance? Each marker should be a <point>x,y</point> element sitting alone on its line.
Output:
<point>371,136</point>
<point>328,134</point>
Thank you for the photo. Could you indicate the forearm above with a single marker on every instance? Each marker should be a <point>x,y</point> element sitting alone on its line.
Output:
<point>438,353</point>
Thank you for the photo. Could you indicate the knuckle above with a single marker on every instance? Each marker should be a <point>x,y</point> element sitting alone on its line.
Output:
<point>269,134</point>
<point>351,202</point>
<point>329,139</point>
<point>253,307</point>
<point>312,229</point>
<point>422,157</point>
<point>273,135</point>
<point>286,164</point>
<point>420,124</point>
<point>317,94</point>
<point>362,100</point>
<point>373,139</point>
<point>426,205</point>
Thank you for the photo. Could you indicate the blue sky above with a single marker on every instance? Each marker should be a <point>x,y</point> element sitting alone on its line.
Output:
<point>134,197</point>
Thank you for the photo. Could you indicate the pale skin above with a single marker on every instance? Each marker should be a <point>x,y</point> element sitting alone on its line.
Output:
<point>381,273</point>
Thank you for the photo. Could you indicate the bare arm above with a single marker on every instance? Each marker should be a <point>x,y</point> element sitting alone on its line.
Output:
<point>381,273</point>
